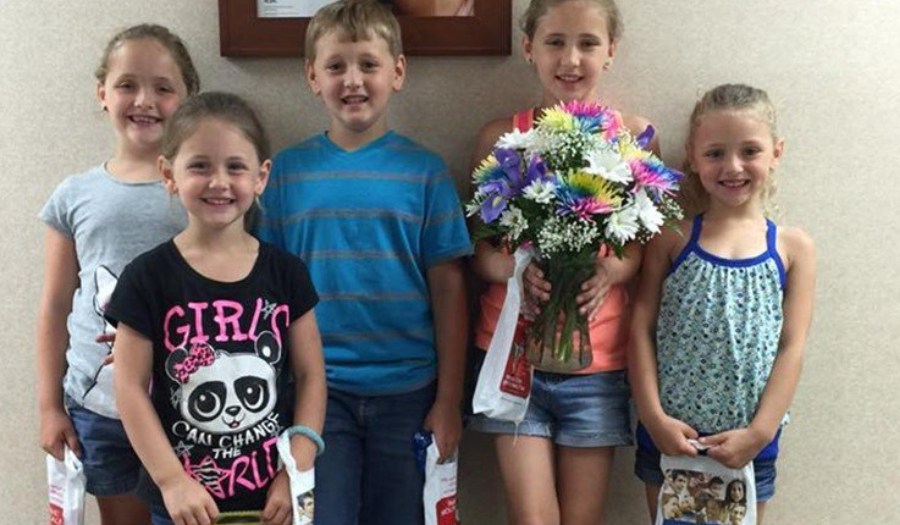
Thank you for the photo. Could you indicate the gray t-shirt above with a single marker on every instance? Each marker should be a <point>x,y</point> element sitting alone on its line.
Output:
<point>111,222</point>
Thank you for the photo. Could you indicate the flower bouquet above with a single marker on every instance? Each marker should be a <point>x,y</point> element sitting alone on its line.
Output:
<point>575,182</point>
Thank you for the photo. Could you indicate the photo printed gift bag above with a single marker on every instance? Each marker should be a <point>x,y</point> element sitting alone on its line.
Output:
<point>302,482</point>
<point>504,383</point>
<point>65,483</point>
<point>702,490</point>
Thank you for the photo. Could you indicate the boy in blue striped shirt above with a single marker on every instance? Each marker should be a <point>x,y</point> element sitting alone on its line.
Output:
<point>376,218</point>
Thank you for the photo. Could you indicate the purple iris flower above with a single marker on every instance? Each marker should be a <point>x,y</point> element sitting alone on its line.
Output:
<point>537,170</point>
<point>492,207</point>
<point>646,136</point>
<point>511,164</point>
<point>511,184</point>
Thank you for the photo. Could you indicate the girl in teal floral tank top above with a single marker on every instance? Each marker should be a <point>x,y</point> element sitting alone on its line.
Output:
<point>724,306</point>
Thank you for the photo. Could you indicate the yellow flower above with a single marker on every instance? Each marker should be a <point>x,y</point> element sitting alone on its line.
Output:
<point>556,119</point>
<point>602,190</point>
<point>488,165</point>
<point>630,150</point>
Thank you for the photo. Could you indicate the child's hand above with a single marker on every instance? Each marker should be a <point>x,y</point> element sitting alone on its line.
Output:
<point>593,292</point>
<point>671,436</point>
<point>536,288</point>
<point>278,509</point>
<point>56,431</point>
<point>188,502</point>
<point>734,448</point>
<point>445,422</point>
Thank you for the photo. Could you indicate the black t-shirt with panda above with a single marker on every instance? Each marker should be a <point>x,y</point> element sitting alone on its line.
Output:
<point>220,360</point>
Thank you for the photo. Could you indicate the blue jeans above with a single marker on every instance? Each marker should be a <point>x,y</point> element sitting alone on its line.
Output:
<point>368,473</point>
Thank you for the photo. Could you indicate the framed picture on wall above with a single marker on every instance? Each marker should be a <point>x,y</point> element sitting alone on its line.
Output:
<point>275,28</point>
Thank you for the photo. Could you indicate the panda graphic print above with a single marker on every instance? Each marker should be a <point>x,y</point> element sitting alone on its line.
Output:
<point>227,402</point>
<point>220,363</point>
<point>221,393</point>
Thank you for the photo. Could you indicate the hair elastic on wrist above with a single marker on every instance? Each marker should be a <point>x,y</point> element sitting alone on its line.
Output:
<point>313,436</point>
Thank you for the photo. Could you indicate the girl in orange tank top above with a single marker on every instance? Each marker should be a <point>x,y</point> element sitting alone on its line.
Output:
<point>556,462</point>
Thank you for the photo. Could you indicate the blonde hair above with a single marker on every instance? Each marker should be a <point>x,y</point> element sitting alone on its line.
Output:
<point>359,20</point>
<point>538,8</point>
<point>727,97</point>
<point>169,40</point>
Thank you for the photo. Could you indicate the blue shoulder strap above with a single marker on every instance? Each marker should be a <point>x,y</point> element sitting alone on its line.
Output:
<point>772,249</point>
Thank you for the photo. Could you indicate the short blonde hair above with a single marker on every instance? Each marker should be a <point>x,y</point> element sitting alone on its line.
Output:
<point>359,20</point>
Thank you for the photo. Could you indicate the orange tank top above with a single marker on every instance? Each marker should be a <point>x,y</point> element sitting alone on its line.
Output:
<point>609,328</point>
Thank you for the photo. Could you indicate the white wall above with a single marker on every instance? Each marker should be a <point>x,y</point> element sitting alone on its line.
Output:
<point>830,65</point>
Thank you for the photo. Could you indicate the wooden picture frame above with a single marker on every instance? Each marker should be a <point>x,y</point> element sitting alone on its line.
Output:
<point>243,34</point>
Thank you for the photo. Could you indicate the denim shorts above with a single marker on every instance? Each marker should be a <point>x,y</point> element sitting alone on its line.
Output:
<point>110,464</point>
<point>646,464</point>
<point>583,411</point>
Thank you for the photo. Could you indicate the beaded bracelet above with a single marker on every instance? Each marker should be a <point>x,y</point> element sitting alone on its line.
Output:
<point>313,436</point>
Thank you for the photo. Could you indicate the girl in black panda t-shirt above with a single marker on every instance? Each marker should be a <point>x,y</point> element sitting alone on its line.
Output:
<point>212,327</point>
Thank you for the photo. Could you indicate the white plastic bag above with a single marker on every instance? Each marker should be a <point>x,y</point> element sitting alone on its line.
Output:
<point>302,483</point>
<point>65,484</point>
<point>439,494</point>
<point>702,490</point>
<point>504,383</point>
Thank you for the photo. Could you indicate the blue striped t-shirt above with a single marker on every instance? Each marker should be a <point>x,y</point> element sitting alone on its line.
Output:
<point>368,223</point>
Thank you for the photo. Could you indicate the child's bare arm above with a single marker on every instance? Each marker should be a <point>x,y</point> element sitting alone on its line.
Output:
<point>185,499</point>
<point>308,368</point>
<point>669,434</point>
<point>798,310</point>
<point>310,387</point>
<point>447,288</point>
<point>60,283</point>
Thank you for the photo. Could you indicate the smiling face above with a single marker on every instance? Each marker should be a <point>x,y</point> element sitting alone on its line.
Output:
<point>217,174</point>
<point>737,514</point>
<point>570,49</point>
<point>142,88</point>
<point>735,491</point>
<point>733,153</point>
<point>355,81</point>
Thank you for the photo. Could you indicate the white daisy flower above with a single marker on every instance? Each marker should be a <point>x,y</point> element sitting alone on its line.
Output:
<point>622,225</point>
<point>607,163</point>
<point>540,191</point>
<point>514,221</point>
<point>519,140</point>
<point>646,210</point>
<point>473,207</point>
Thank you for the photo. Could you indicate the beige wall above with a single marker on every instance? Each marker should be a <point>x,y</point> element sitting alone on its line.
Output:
<point>831,66</point>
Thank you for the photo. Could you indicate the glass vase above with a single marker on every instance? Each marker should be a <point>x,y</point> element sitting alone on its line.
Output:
<point>559,339</point>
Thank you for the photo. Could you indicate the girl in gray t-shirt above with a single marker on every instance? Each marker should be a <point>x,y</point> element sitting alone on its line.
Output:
<point>97,222</point>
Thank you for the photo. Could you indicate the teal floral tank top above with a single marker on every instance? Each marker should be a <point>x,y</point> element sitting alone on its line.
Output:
<point>717,334</point>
